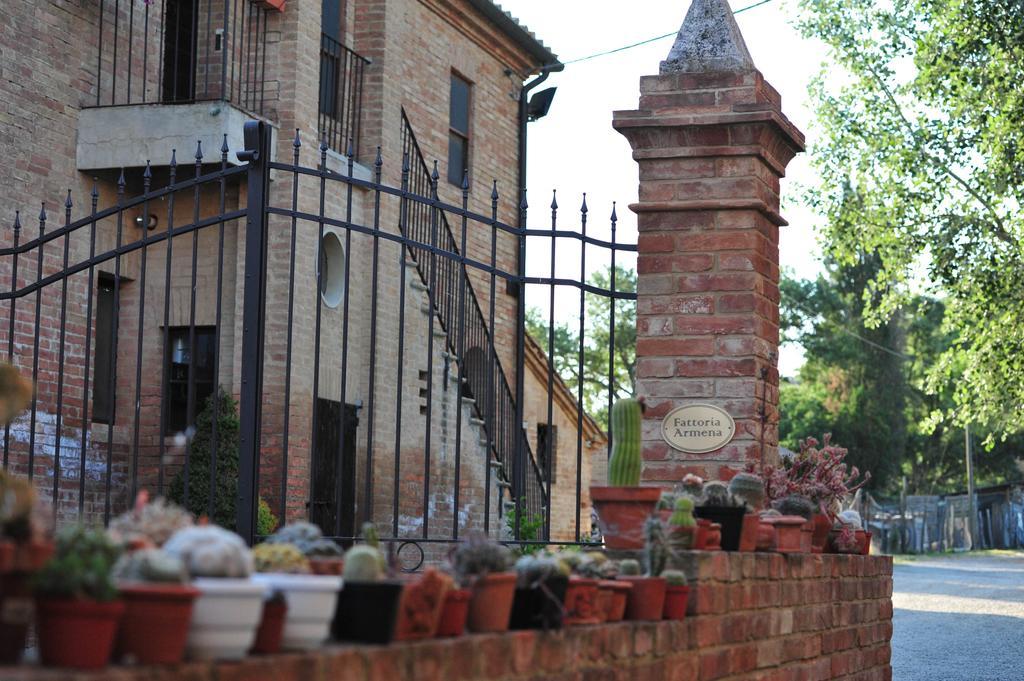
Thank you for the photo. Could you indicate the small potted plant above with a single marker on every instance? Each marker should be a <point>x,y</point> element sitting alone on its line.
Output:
<point>792,527</point>
<point>158,607</point>
<point>454,612</point>
<point>848,535</point>
<point>541,582</point>
<point>149,524</point>
<point>77,605</point>
<point>368,602</point>
<point>624,505</point>
<point>718,505</point>
<point>483,566</point>
<point>748,488</point>
<point>324,555</point>
<point>422,605</point>
<point>682,526</point>
<point>581,595</point>
<point>676,594</point>
<point>647,598</point>
<point>24,549</point>
<point>310,599</point>
<point>229,609</point>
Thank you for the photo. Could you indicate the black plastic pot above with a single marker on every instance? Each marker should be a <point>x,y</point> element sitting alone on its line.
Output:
<point>731,520</point>
<point>540,607</point>
<point>367,612</point>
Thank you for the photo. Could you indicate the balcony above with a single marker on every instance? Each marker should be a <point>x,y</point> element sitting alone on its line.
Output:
<point>341,95</point>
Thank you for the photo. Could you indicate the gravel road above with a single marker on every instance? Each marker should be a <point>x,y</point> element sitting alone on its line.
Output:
<point>959,618</point>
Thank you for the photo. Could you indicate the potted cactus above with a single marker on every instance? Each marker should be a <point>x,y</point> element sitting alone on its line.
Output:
<point>792,526</point>
<point>310,599</point>
<point>324,555</point>
<point>581,594</point>
<point>541,583</point>
<point>647,598</point>
<point>24,549</point>
<point>422,604</point>
<point>77,608</point>
<point>368,603</point>
<point>676,594</point>
<point>623,506</point>
<point>228,611</point>
<point>158,607</point>
<point>454,612</point>
<point>748,488</point>
<point>682,527</point>
<point>148,524</point>
<point>483,566</point>
<point>718,505</point>
<point>848,535</point>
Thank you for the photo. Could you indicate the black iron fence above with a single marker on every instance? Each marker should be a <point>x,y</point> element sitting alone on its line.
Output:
<point>341,95</point>
<point>182,51</point>
<point>339,313</point>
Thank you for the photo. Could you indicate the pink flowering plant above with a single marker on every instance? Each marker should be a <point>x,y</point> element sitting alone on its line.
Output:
<point>820,474</point>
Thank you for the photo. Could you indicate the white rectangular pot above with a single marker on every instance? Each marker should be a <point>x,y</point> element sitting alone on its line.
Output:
<point>311,601</point>
<point>224,618</point>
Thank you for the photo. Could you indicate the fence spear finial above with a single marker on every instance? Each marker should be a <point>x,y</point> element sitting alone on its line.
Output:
<point>199,152</point>
<point>554,199</point>
<point>583,208</point>
<point>17,221</point>
<point>494,191</point>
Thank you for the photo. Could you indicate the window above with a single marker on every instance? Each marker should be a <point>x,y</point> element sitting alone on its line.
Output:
<point>180,358</point>
<point>179,47</point>
<point>105,351</point>
<point>547,450</point>
<point>458,130</point>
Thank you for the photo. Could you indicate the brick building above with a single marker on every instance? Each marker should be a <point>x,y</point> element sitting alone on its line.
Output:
<point>108,99</point>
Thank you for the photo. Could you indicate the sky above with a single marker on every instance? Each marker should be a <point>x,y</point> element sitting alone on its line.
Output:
<point>574,149</point>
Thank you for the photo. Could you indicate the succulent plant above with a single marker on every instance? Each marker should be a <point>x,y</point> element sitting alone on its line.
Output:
<point>308,538</point>
<point>666,502</point>
<point>629,567</point>
<point>150,565</point>
<point>17,499</point>
<point>365,562</point>
<point>681,526</point>
<point>717,493</point>
<point>796,504</point>
<point>538,568</point>
<point>81,566</point>
<point>749,488</point>
<point>596,565</point>
<point>624,465</point>
<point>849,519</point>
<point>682,516</point>
<point>846,541</point>
<point>674,577</point>
<point>770,513</point>
<point>655,546</point>
<point>478,556</point>
<point>211,551</point>
<point>280,558</point>
<point>692,485</point>
<point>149,523</point>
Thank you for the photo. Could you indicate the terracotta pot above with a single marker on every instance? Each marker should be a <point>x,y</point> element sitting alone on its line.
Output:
<point>490,608</point>
<point>619,597</point>
<point>76,633</point>
<point>713,539</point>
<point>765,535</point>
<point>454,612</point>
<point>731,520</point>
<point>700,536</point>
<point>807,537</point>
<point>327,566</point>
<point>540,606</point>
<point>15,614</point>
<point>155,623</point>
<point>271,630</point>
<point>580,601</point>
<point>749,531</point>
<point>420,609</point>
<point>821,524</point>
<point>865,542</point>
<point>367,611</point>
<point>646,601</point>
<point>602,601</point>
<point>675,602</point>
<point>789,532</point>
<point>31,555</point>
<point>621,512</point>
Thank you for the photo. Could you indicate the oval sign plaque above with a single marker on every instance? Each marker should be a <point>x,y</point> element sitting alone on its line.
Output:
<point>698,428</point>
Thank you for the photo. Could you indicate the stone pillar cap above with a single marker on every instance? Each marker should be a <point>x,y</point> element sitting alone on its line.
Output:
<point>708,40</point>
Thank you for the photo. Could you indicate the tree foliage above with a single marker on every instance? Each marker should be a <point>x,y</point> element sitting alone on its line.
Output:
<point>599,348</point>
<point>921,160</point>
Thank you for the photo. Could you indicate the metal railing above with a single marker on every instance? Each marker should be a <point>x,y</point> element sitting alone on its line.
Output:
<point>457,307</point>
<point>181,52</point>
<point>326,419</point>
<point>341,95</point>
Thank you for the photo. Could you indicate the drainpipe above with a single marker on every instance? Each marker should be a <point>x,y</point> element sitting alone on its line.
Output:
<point>519,468</point>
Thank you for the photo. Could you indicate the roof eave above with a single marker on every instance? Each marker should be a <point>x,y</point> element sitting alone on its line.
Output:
<point>513,29</point>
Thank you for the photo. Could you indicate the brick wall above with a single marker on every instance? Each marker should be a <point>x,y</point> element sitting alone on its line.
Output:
<point>753,617</point>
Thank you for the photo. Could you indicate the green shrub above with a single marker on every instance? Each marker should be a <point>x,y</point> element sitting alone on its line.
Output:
<point>81,566</point>
<point>266,521</point>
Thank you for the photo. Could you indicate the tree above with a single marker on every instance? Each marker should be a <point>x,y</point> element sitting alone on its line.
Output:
<point>921,123</point>
<point>598,348</point>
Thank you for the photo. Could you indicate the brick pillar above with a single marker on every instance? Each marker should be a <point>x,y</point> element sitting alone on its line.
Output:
<point>712,143</point>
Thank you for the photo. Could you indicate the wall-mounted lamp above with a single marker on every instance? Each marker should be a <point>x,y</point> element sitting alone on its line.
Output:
<point>150,225</point>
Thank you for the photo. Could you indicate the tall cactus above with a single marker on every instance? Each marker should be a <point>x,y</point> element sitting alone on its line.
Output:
<point>624,466</point>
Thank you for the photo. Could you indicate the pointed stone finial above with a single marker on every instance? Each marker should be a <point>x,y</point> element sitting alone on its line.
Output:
<point>708,40</point>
